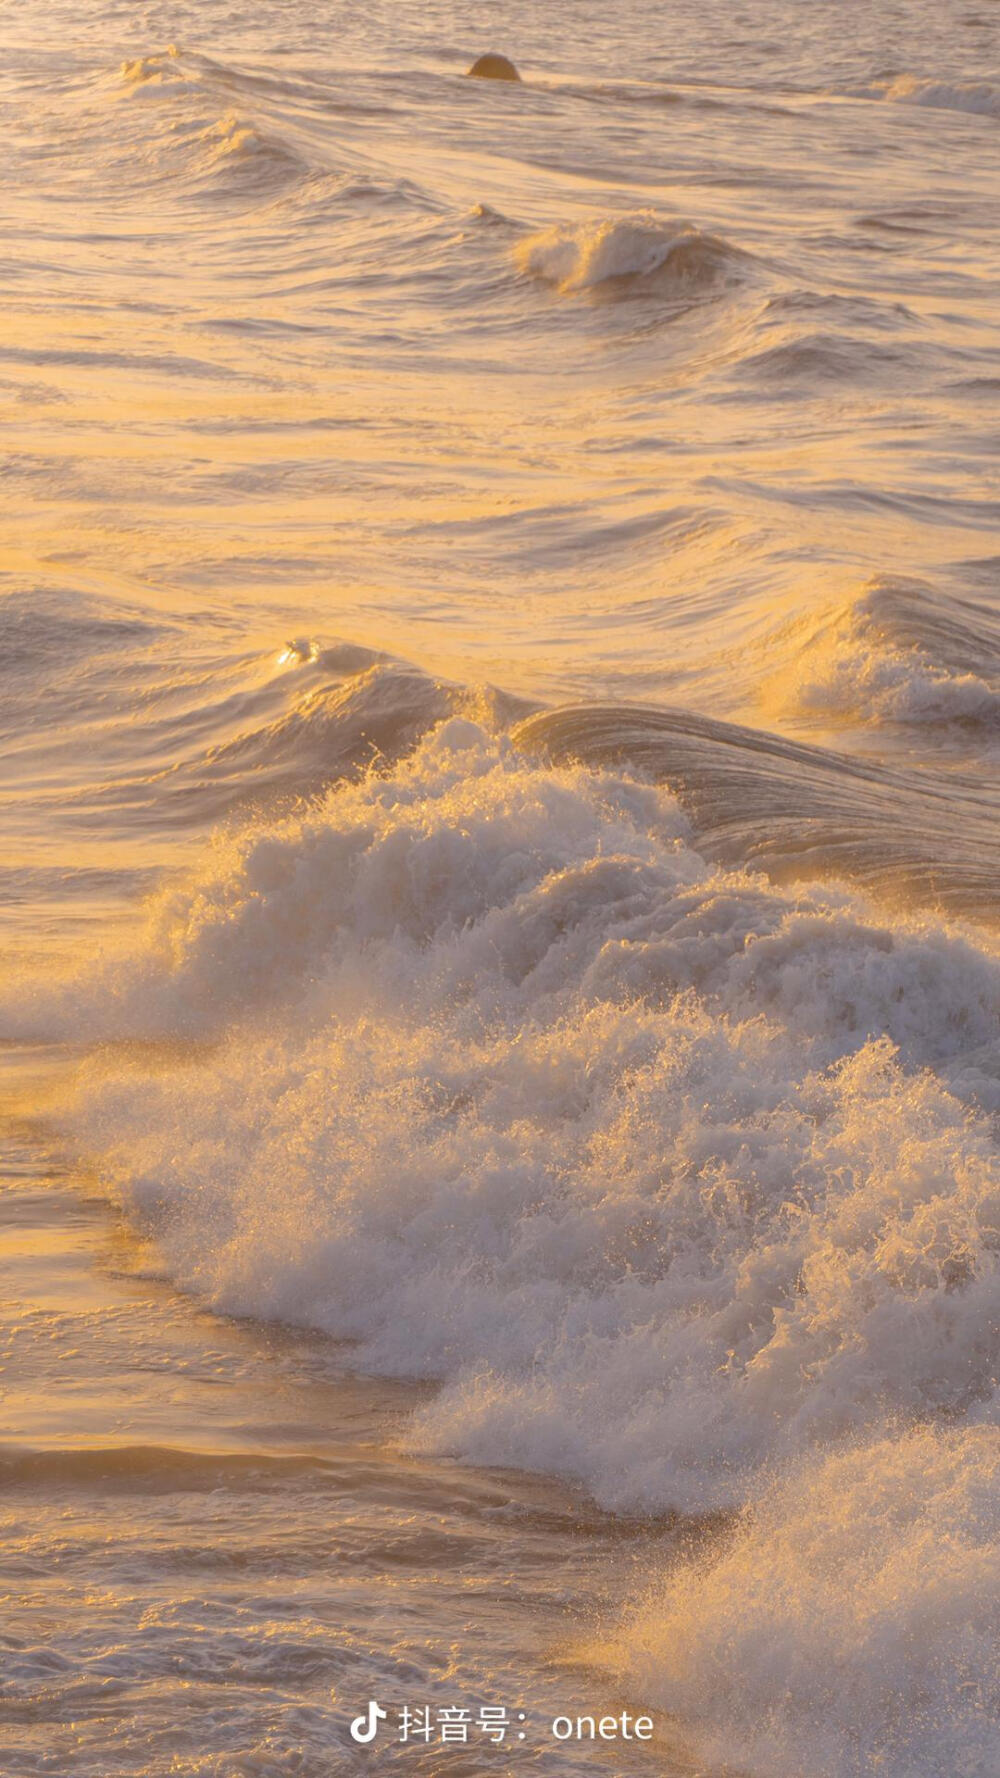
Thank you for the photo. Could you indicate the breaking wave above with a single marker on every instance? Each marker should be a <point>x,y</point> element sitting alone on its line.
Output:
<point>503,946</point>
<point>674,1179</point>
<point>901,652</point>
<point>233,143</point>
<point>980,98</point>
<point>233,152</point>
<point>153,70</point>
<point>640,248</point>
<point>367,710</point>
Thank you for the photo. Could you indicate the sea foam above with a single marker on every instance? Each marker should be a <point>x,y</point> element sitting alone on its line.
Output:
<point>674,1180</point>
<point>849,1624</point>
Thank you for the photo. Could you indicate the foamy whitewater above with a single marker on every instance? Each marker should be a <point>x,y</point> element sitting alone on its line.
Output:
<point>500,664</point>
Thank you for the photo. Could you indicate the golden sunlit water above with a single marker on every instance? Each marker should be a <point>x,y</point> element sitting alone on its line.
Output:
<point>500,1005</point>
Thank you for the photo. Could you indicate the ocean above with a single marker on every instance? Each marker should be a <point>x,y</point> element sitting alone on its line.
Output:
<point>499,966</point>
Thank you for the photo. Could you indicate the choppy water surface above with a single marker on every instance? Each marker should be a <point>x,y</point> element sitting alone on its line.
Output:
<point>499,725</point>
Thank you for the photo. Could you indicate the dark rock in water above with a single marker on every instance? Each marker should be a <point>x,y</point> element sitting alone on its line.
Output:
<point>492,67</point>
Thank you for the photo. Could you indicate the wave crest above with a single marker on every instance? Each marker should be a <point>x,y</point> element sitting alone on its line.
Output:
<point>249,157</point>
<point>978,98</point>
<point>899,652</point>
<point>153,70</point>
<point>639,248</point>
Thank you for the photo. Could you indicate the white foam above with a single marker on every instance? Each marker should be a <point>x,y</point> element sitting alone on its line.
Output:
<point>644,1161</point>
<point>850,1625</point>
<point>895,653</point>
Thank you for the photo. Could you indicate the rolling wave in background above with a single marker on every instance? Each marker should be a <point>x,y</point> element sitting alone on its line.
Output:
<point>500,669</point>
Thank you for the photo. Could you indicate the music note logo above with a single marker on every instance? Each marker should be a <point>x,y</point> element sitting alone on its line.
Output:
<point>364,1728</point>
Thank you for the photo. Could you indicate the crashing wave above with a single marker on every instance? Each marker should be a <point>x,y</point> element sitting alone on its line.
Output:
<point>368,710</point>
<point>899,653</point>
<point>640,248</point>
<point>676,1181</point>
<point>712,1088</point>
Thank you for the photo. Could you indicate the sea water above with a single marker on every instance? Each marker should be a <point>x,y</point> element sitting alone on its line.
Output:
<point>499,727</point>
